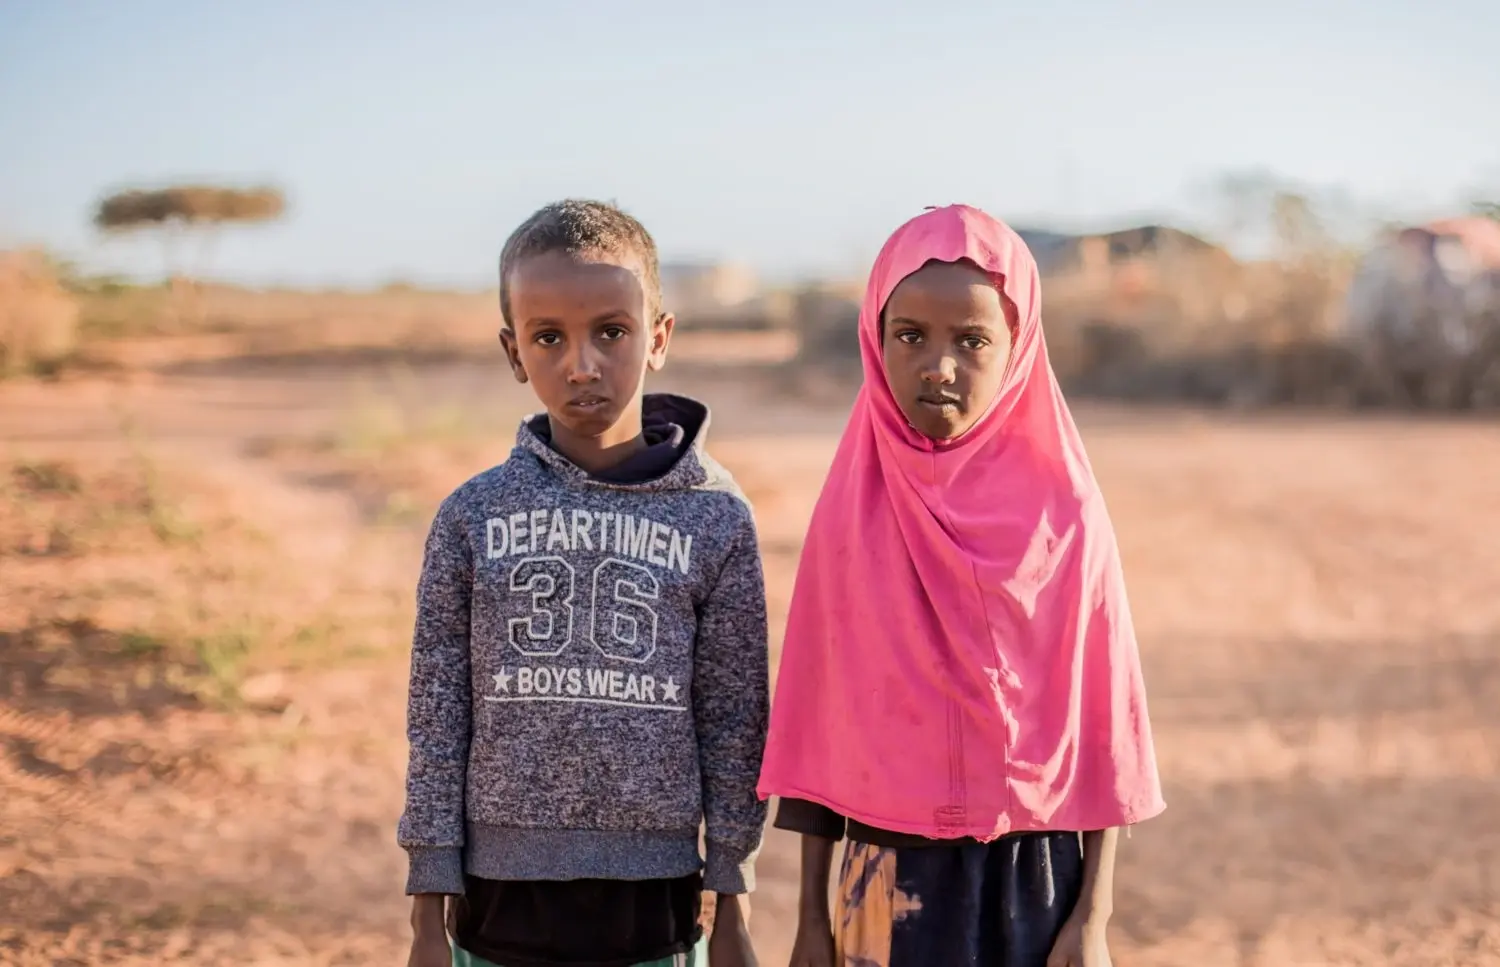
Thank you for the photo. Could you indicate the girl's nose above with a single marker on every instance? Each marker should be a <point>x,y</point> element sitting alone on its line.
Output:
<point>941,370</point>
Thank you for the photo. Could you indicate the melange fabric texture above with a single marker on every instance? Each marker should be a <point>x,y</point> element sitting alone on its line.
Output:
<point>589,676</point>
<point>589,922</point>
<point>996,904</point>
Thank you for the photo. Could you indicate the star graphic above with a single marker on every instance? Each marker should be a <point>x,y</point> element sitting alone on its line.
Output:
<point>502,681</point>
<point>669,690</point>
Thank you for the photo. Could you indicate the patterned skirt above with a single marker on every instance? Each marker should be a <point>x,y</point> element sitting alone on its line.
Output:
<point>999,904</point>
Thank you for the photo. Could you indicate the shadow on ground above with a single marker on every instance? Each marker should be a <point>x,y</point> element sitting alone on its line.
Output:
<point>87,671</point>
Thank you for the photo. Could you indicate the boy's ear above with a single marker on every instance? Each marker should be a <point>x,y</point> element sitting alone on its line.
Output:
<point>661,337</point>
<point>512,353</point>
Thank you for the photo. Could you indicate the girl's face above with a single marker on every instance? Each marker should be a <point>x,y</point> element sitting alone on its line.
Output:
<point>946,334</point>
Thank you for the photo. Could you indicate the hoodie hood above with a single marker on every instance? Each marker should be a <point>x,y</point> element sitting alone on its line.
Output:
<point>675,427</point>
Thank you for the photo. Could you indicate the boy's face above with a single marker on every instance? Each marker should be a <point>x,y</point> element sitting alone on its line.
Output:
<point>947,337</point>
<point>580,335</point>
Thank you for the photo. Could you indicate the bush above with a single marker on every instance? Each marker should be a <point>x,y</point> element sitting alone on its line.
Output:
<point>38,317</point>
<point>827,320</point>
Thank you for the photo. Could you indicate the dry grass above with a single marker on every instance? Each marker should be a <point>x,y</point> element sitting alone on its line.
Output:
<point>1183,326</point>
<point>1201,328</point>
<point>135,328</point>
<point>38,318</point>
<point>160,573</point>
<point>139,328</point>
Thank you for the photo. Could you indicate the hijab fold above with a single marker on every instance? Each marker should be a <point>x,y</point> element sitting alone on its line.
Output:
<point>959,657</point>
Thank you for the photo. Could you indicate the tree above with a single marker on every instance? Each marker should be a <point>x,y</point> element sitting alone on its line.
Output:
<point>178,211</point>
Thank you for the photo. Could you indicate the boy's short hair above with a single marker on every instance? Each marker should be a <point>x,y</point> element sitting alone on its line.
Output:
<point>577,226</point>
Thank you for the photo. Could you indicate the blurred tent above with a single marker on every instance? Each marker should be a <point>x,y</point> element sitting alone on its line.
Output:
<point>1424,309</point>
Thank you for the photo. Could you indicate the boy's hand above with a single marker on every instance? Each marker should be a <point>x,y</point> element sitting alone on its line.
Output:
<point>430,950</point>
<point>814,946</point>
<point>729,944</point>
<point>1080,944</point>
<point>429,933</point>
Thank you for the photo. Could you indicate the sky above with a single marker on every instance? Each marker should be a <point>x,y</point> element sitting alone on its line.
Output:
<point>794,136</point>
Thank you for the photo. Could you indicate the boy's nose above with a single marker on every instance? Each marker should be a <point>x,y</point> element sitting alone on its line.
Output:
<point>583,366</point>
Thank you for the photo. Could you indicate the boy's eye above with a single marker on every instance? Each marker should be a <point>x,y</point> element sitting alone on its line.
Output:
<point>548,338</point>
<point>614,332</point>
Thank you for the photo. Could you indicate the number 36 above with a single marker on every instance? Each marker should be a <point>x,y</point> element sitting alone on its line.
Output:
<point>621,621</point>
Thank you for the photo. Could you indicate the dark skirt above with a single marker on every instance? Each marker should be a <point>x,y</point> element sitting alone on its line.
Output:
<point>999,904</point>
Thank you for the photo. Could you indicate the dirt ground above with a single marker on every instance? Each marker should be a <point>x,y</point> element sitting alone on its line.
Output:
<point>1315,597</point>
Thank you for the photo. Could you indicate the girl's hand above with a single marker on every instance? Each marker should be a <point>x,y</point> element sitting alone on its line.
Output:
<point>1081,943</point>
<point>814,945</point>
<point>729,944</point>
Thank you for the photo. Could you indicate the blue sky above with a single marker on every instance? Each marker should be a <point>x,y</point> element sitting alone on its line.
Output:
<point>790,135</point>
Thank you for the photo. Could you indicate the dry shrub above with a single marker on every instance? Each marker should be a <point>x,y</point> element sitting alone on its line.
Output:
<point>1203,329</point>
<point>38,318</point>
<point>1186,325</point>
<point>827,320</point>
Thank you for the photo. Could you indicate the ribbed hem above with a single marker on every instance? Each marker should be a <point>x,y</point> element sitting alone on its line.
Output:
<point>729,869</point>
<point>505,853</point>
<point>810,819</point>
<point>434,869</point>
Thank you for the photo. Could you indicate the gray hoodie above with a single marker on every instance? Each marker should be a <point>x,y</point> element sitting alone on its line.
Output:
<point>589,675</point>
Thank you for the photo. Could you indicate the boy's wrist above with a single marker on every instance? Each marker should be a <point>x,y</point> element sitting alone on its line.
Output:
<point>731,908</point>
<point>429,914</point>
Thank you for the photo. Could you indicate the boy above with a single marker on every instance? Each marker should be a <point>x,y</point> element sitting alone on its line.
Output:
<point>589,667</point>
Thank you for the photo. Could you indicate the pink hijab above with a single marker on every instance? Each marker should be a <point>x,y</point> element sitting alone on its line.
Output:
<point>959,658</point>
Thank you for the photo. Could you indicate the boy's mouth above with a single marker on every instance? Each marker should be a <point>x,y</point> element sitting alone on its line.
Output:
<point>587,402</point>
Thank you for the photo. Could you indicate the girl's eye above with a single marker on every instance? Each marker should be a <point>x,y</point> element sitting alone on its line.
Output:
<point>909,336</point>
<point>974,343</point>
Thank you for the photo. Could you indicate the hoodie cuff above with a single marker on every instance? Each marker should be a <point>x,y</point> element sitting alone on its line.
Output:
<point>728,869</point>
<point>435,869</point>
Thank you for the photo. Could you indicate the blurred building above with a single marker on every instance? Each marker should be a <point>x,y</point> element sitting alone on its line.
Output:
<point>1111,253</point>
<point>707,293</point>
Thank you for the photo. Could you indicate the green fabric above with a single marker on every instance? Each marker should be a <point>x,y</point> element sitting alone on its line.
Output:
<point>696,957</point>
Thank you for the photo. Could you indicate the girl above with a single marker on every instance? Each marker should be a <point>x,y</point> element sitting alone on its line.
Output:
<point>960,692</point>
